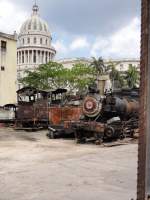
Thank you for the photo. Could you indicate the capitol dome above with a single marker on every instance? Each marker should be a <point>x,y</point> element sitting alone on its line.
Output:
<point>34,43</point>
<point>35,23</point>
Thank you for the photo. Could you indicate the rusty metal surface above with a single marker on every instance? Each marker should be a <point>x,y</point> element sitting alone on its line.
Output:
<point>90,126</point>
<point>25,112</point>
<point>30,112</point>
<point>41,110</point>
<point>141,182</point>
<point>54,115</point>
<point>58,115</point>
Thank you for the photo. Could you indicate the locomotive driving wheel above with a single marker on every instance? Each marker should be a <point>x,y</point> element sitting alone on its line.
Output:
<point>109,132</point>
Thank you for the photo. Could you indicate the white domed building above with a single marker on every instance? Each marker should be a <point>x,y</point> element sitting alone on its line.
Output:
<point>34,44</point>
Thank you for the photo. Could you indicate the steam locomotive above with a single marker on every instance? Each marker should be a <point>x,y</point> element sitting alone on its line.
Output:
<point>106,118</point>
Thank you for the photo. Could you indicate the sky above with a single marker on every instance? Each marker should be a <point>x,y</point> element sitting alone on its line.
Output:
<point>82,28</point>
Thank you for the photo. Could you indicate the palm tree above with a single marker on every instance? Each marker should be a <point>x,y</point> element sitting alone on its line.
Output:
<point>114,74</point>
<point>132,76</point>
<point>99,66</point>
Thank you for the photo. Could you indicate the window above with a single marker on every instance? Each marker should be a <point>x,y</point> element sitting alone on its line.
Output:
<point>28,40</point>
<point>2,68</point>
<point>46,41</point>
<point>41,41</point>
<point>34,40</point>
<point>23,41</point>
<point>3,45</point>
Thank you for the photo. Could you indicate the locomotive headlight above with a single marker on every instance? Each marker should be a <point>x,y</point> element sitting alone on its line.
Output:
<point>91,106</point>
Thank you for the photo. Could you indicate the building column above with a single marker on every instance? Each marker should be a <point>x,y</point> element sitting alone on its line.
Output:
<point>37,56</point>
<point>44,59</point>
<point>32,56</point>
<point>28,57</point>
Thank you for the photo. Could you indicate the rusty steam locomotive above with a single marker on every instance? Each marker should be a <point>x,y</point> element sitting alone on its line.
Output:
<point>96,117</point>
<point>106,118</point>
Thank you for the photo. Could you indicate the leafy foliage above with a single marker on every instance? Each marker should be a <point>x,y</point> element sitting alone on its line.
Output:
<point>99,66</point>
<point>114,74</point>
<point>132,76</point>
<point>53,75</point>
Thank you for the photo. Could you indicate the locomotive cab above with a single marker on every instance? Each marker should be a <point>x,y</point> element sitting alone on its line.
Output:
<point>32,107</point>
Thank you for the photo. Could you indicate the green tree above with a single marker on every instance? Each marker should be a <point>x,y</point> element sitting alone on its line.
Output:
<point>81,76</point>
<point>114,74</point>
<point>53,75</point>
<point>132,76</point>
<point>98,65</point>
<point>46,76</point>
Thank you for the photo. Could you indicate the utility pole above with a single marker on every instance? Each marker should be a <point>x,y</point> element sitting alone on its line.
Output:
<point>143,183</point>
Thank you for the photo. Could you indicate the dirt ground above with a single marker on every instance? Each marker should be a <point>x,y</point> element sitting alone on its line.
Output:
<point>33,167</point>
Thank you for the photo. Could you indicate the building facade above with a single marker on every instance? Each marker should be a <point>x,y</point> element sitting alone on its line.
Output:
<point>8,69</point>
<point>34,44</point>
<point>121,65</point>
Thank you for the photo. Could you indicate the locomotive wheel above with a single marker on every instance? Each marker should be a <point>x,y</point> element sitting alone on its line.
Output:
<point>51,135</point>
<point>99,142</point>
<point>109,132</point>
<point>81,141</point>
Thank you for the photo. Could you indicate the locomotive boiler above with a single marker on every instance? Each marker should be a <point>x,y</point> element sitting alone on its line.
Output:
<point>104,108</point>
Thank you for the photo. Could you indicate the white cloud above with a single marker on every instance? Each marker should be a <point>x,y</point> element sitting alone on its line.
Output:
<point>78,43</point>
<point>11,17</point>
<point>60,47</point>
<point>124,43</point>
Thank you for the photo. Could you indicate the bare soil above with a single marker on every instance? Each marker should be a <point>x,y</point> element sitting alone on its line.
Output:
<point>33,167</point>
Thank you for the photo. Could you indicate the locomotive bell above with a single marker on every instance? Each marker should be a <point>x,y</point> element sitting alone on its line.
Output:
<point>91,106</point>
